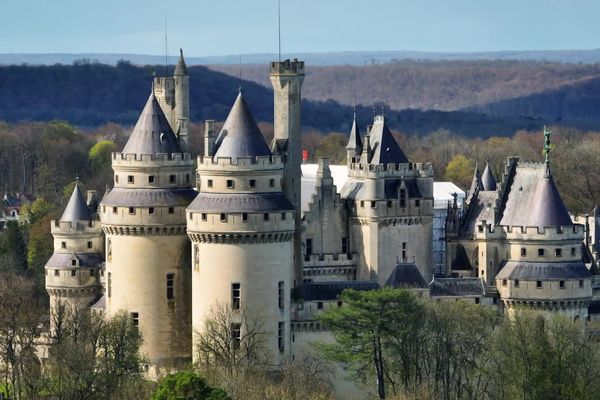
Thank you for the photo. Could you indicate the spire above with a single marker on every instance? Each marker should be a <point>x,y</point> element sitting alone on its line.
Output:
<point>240,136</point>
<point>476,185</point>
<point>354,141</point>
<point>547,149</point>
<point>384,147</point>
<point>548,209</point>
<point>152,133</point>
<point>77,209</point>
<point>487,179</point>
<point>180,68</point>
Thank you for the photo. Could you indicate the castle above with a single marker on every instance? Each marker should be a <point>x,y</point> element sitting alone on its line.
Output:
<point>173,238</point>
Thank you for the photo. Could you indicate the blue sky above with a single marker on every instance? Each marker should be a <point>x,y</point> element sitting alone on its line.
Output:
<point>220,27</point>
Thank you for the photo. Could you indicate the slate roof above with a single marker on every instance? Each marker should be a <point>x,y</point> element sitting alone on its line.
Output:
<point>124,197</point>
<point>481,208</point>
<point>532,271</point>
<point>534,200</point>
<point>240,136</point>
<point>152,133</point>
<point>100,304</point>
<point>476,186</point>
<point>240,202</point>
<point>86,260</point>
<point>315,291</point>
<point>384,148</point>
<point>181,68</point>
<point>406,275</point>
<point>77,209</point>
<point>461,261</point>
<point>460,287</point>
<point>487,178</point>
<point>354,141</point>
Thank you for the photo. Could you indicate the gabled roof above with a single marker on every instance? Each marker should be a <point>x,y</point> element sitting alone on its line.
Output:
<point>534,200</point>
<point>152,133</point>
<point>240,136</point>
<point>77,209</point>
<point>384,148</point>
<point>354,141</point>
<point>181,68</point>
<point>406,275</point>
<point>487,179</point>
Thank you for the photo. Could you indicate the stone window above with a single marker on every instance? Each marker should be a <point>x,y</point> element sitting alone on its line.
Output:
<point>516,283</point>
<point>538,284</point>
<point>402,197</point>
<point>236,334</point>
<point>116,178</point>
<point>170,286</point>
<point>209,183</point>
<point>89,245</point>
<point>418,204</point>
<point>244,217</point>
<point>63,245</point>
<point>281,294</point>
<point>389,203</point>
<point>151,179</point>
<point>476,300</point>
<point>404,251</point>
<point>203,215</point>
<point>223,217</point>
<point>151,210</point>
<point>266,216</point>
<point>373,204</point>
<point>503,282</point>
<point>540,252</point>
<point>309,249</point>
<point>339,303</point>
<point>171,210</point>
<point>272,183</point>
<point>132,210</point>
<point>172,178</point>
<point>573,250</point>
<point>56,272</point>
<point>320,305</point>
<point>91,272</point>
<point>130,179</point>
<point>280,336</point>
<point>581,284</point>
<point>362,204</point>
<point>135,319</point>
<point>345,245</point>
<point>187,178</point>
<point>252,183</point>
<point>73,272</point>
<point>523,251</point>
<point>561,284</point>
<point>558,252</point>
<point>114,210</point>
<point>236,291</point>
<point>283,216</point>
<point>230,184</point>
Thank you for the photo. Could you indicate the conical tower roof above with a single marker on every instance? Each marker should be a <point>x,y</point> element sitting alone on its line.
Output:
<point>487,179</point>
<point>384,147</point>
<point>476,185</point>
<point>355,141</point>
<point>548,209</point>
<point>181,68</point>
<point>240,136</point>
<point>76,209</point>
<point>152,133</point>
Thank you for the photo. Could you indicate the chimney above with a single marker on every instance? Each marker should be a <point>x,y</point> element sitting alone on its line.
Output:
<point>92,201</point>
<point>209,138</point>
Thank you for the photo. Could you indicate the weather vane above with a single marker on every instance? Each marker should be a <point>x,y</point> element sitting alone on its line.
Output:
<point>547,147</point>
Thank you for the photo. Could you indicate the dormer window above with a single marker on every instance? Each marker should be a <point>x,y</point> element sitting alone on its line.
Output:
<point>74,262</point>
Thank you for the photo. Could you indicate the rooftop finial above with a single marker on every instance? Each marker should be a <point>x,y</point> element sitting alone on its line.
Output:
<point>547,149</point>
<point>354,102</point>
<point>240,85</point>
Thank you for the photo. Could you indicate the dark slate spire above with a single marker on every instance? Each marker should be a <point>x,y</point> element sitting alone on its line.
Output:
<point>181,68</point>
<point>240,136</point>
<point>384,147</point>
<point>152,133</point>
<point>76,209</point>
<point>487,179</point>
<point>476,185</point>
<point>354,142</point>
<point>548,209</point>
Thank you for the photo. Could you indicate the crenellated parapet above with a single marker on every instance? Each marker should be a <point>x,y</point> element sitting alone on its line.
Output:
<point>144,230</point>
<point>392,170</point>
<point>534,233</point>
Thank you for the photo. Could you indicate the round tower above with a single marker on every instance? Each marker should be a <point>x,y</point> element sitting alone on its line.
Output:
<point>147,249</point>
<point>72,273</point>
<point>242,228</point>
<point>182,102</point>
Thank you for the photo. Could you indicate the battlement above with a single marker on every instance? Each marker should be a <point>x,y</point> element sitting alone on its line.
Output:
<point>330,260</point>
<point>568,232</point>
<point>79,227</point>
<point>123,160</point>
<point>252,163</point>
<point>287,67</point>
<point>422,170</point>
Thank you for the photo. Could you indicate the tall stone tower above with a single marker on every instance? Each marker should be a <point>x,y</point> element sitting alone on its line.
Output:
<point>72,273</point>
<point>390,202</point>
<point>173,95</point>
<point>242,227</point>
<point>147,249</point>
<point>287,78</point>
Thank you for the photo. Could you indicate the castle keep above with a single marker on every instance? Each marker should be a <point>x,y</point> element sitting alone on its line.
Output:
<point>244,230</point>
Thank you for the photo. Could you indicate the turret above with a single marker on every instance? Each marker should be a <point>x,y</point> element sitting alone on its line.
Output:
<point>354,146</point>
<point>72,273</point>
<point>147,249</point>
<point>487,179</point>
<point>242,228</point>
<point>287,78</point>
